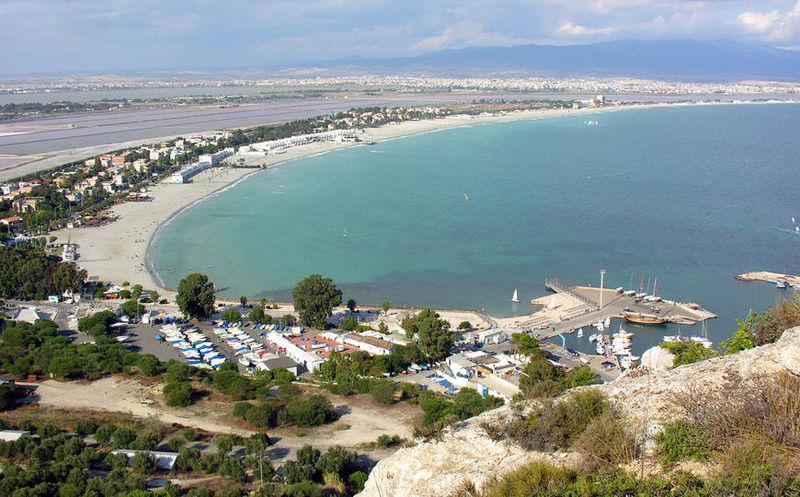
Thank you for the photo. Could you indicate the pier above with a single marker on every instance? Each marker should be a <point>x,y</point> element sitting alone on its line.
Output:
<point>769,277</point>
<point>570,308</point>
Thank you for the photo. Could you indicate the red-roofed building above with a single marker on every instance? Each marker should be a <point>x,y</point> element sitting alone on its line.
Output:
<point>321,346</point>
<point>11,222</point>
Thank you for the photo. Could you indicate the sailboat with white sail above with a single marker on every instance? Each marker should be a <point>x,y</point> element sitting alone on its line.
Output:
<point>515,297</point>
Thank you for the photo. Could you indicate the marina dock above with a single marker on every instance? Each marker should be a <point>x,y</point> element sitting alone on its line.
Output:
<point>769,277</point>
<point>569,308</point>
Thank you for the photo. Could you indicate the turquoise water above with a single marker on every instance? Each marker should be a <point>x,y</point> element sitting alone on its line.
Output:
<point>690,195</point>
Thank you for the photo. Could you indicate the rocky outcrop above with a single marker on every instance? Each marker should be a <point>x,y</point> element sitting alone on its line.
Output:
<point>467,452</point>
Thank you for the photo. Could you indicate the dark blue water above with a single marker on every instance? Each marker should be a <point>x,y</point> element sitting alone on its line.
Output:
<point>691,195</point>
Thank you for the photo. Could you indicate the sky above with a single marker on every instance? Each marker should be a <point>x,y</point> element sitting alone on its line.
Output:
<point>57,36</point>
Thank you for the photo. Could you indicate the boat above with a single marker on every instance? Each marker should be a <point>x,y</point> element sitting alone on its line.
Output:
<point>580,333</point>
<point>466,197</point>
<point>607,322</point>
<point>344,233</point>
<point>600,348</point>
<point>515,298</point>
<point>593,337</point>
<point>781,282</point>
<point>642,318</point>
<point>623,334</point>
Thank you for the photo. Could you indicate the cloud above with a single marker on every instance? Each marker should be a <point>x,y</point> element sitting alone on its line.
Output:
<point>432,42</point>
<point>576,30</point>
<point>774,25</point>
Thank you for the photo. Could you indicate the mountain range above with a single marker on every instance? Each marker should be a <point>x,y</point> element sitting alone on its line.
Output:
<point>655,59</point>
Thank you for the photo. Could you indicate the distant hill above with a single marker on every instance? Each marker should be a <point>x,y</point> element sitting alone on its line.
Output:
<point>658,59</point>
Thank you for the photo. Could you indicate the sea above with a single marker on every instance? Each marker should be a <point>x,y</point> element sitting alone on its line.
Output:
<point>690,195</point>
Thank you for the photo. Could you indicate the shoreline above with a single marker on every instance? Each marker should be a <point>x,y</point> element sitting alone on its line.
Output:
<point>123,250</point>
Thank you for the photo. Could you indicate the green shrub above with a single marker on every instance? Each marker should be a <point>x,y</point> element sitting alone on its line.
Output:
<point>382,391</point>
<point>688,352</point>
<point>123,437</point>
<point>189,434</point>
<point>336,461</point>
<point>681,440</point>
<point>264,415</point>
<point>240,409</point>
<point>357,480</point>
<point>176,443</point>
<point>178,394</point>
<point>607,441</point>
<point>555,425</point>
<point>232,315</point>
<point>148,365</point>
<point>104,433</point>
<point>86,427</point>
<point>389,440</point>
<point>303,489</point>
<point>144,463</point>
<point>349,324</point>
<point>312,411</point>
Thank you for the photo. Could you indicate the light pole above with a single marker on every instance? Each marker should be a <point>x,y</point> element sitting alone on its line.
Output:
<point>602,280</point>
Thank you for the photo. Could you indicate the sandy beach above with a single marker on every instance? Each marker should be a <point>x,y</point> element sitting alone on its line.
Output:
<point>116,252</point>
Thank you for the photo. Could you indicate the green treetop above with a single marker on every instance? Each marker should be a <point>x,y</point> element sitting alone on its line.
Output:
<point>196,296</point>
<point>314,299</point>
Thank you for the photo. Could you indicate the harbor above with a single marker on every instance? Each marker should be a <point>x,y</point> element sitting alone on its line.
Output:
<point>570,308</point>
<point>588,312</point>
<point>778,279</point>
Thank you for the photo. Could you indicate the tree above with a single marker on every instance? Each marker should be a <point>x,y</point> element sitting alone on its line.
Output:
<point>744,336</point>
<point>351,304</point>
<point>196,296</point>
<point>582,376</point>
<point>434,334</point>
<point>178,394</point>
<point>154,296</point>
<point>243,300</point>
<point>349,324</point>
<point>464,325</point>
<point>526,344</point>
<point>144,463</point>
<point>132,308</point>
<point>314,299</point>
<point>231,315</point>
<point>313,411</point>
<point>688,351</point>
<point>136,292</point>
<point>256,315</point>
<point>385,306</point>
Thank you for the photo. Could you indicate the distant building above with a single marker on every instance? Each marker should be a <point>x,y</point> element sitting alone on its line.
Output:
<point>12,222</point>
<point>165,460</point>
<point>13,435</point>
<point>205,162</point>
<point>282,362</point>
<point>30,315</point>
<point>26,204</point>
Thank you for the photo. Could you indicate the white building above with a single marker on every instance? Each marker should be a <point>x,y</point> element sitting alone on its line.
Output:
<point>165,460</point>
<point>13,435</point>
<point>308,360</point>
<point>370,345</point>
<point>205,162</point>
